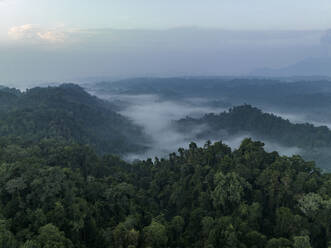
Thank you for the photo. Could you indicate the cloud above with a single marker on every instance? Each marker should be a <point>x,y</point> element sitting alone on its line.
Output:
<point>79,53</point>
<point>156,116</point>
<point>52,36</point>
<point>21,32</point>
<point>326,41</point>
<point>34,33</point>
<point>326,38</point>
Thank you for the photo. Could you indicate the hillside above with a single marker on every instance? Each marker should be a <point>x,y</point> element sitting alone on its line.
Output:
<point>60,187</point>
<point>67,112</point>
<point>315,142</point>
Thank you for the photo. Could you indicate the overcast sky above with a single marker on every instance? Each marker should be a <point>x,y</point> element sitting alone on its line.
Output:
<point>63,39</point>
<point>224,14</point>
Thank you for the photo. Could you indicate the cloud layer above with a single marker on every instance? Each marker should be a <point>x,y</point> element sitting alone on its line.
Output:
<point>34,33</point>
<point>62,53</point>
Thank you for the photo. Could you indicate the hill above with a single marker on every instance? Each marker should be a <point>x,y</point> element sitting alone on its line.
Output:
<point>309,95</point>
<point>67,112</point>
<point>314,142</point>
<point>56,191</point>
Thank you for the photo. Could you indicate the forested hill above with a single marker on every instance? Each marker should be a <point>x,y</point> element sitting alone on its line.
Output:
<point>66,197</point>
<point>315,142</point>
<point>288,93</point>
<point>66,112</point>
<point>249,119</point>
<point>56,191</point>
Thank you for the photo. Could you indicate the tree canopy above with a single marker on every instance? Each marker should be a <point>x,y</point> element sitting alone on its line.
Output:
<point>69,113</point>
<point>55,196</point>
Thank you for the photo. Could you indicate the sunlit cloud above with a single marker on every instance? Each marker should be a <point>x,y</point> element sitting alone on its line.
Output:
<point>52,36</point>
<point>21,32</point>
<point>34,33</point>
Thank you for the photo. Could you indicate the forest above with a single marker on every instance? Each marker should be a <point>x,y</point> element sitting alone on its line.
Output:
<point>315,142</point>
<point>67,112</point>
<point>56,195</point>
<point>165,124</point>
<point>64,184</point>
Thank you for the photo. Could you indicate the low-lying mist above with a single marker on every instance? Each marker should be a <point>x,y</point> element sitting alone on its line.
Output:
<point>313,118</point>
<point>157,117</point>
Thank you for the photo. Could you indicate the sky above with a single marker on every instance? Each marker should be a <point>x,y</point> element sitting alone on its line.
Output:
<point>65,39</point>
<point>158,14</point>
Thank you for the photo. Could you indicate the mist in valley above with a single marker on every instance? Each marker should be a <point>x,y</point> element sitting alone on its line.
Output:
<point>153,123</point>
<point>157,116</point>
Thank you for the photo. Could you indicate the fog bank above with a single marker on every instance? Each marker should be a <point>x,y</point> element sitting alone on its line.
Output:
<point>157,117</point>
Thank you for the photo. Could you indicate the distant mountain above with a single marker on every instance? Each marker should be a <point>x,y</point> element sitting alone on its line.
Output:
<point>320,66</point>
<point>213,86</point>
<point>69,113</point>
<point>290,94</point>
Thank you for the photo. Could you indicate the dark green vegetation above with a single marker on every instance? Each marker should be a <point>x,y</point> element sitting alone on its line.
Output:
<point>315,142</point>
<point>58,192</point>
<point>305,100</point>
<point>67,112</point>
<point>55,195</point>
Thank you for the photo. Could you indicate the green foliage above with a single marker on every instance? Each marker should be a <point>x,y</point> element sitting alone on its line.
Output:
<point>50,237</point>
<point>315,142</point>
<point>278,243</point>
<point>301,242</point>
<point>229,190</point>
<point>69,114</point>
<point>7,239</point>
<point>30,244</point>
<point>155,235</point>
<point>59,195</point>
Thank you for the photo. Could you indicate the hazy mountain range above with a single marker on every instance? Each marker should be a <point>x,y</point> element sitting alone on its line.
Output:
<point>313,66</point>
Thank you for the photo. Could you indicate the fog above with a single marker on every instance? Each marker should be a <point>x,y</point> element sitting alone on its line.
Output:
<point>300,118</point>
<point>156,116</point>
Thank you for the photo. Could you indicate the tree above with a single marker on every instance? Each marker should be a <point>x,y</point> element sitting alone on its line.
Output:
<point>229,190</point>
<point>278,243</point>
<point>301,242</point>
<point>31,244</point>
<point>125,235</point>
<point>7,239</point>
<point>287,224</point>
<point>155,235</point>
<point>51,237</point>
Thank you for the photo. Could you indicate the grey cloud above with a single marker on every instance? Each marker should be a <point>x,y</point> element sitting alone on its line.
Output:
<point>173,52</point>
<point>326,38</point>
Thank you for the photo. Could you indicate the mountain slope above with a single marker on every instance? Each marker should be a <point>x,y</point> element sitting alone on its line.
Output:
<point>315,142</point>
<point>68,112</point>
